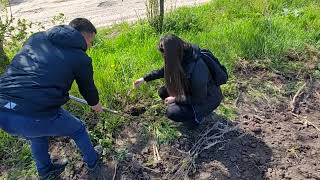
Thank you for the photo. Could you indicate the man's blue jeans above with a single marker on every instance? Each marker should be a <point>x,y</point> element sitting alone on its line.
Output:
<point>39,130</point>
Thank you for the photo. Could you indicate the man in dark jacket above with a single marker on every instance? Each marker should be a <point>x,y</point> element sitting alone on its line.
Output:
<point>36,84</point>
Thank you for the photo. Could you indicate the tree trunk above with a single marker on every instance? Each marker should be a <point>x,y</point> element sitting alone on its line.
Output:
<point>4,60</point>
<point>161,15</point>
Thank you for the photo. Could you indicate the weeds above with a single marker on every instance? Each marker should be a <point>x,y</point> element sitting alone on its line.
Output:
<point>163,131</point>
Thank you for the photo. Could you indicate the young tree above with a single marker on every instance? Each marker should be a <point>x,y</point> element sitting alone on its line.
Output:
<point>155,14</point>
<point>5,22</point>
<point>12,32</point>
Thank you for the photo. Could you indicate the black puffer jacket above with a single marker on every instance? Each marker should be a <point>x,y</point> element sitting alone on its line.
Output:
<point>205,94</point>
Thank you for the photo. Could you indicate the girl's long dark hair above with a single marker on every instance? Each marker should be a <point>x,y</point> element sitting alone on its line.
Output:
<point>172,49</point>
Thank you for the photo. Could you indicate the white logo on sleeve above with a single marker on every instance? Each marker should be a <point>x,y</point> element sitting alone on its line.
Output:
<point>10,105</point>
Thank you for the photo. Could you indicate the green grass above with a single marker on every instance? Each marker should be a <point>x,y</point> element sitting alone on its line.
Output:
<point>232,29</point>
<point>15,153</point>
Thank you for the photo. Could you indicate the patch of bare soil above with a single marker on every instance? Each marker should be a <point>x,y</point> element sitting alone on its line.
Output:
<point>287,121</point>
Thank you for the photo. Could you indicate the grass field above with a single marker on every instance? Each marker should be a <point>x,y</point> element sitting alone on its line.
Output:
<point>232,29</point>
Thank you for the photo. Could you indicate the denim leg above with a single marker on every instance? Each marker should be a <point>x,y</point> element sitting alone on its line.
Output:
<point>69,125</point>
<point>81,138</point>
<point>63,124</point>
<point>39,147</point>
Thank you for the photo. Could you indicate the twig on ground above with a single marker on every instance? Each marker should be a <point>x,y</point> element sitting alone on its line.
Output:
<point>182,152</point>
<point>239,97</point>
<point>157,153</point>
<point>295,115</point>
<point>305,121</point>
<point>152,170</point>
<point>293,102</point>
<point>259,118</point>
<point>308,123</point>
<point>115,171</point>
<point>173,156</point>
<point>155,158</point>
<point>242,135</point>
<point>213,144</point>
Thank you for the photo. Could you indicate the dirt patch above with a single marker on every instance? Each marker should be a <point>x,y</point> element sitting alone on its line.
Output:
<point>238,155</point>
<point>135,110</point>
<point>291,133</point>
<point>243,157</point>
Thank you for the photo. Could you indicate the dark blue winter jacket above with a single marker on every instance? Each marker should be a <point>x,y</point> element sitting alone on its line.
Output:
<point>38,80</point>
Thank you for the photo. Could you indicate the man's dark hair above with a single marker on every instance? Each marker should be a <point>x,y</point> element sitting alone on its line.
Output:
<point>83,25</point>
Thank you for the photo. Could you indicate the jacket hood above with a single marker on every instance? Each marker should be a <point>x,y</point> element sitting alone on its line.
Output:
<point>66,36</point>
<point>191,54</point>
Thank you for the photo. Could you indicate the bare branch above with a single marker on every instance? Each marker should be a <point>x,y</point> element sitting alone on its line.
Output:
<point>209,138</point>
<point>293,102</point>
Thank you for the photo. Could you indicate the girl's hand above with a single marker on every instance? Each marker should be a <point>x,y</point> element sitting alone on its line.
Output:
<point>138,83</point>
<point>170,100</point>
<point>97,108</point>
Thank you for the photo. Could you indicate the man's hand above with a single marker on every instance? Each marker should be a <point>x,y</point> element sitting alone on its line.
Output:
<point>170,100</point>
<point>97,108</point>
<point>138,83</point>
